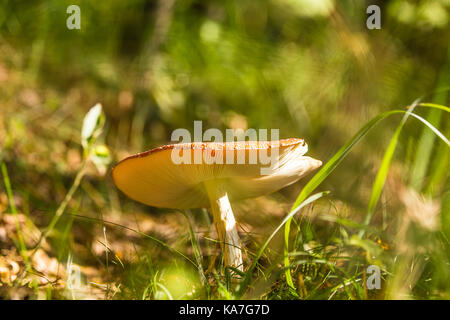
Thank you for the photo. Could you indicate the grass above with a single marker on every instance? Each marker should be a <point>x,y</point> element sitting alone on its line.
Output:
<point>380,178</point>
<point>321,270</point>
<point>21,242</point>
<point>381,198</point>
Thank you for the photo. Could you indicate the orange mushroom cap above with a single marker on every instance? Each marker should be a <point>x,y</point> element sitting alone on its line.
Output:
<point>153,178</point>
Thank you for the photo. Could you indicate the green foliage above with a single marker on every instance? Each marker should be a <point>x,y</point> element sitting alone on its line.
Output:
<point>92,126</point>
<point>309,68</point>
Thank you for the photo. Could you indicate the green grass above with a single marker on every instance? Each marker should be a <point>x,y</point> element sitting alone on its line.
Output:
<point>381,198</point>
<point>380,178</point>
<point>321,270</point>
<point>348,280</point>
<point>21,243</point>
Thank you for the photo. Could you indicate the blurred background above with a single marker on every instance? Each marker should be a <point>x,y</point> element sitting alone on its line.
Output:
<point>310,68</point>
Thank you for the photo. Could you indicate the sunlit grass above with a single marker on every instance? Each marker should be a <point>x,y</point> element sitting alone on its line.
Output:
<point>381,198</point>
<point>326,268</point>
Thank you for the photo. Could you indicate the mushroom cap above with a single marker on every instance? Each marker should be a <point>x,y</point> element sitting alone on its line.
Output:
<point>155,179</point>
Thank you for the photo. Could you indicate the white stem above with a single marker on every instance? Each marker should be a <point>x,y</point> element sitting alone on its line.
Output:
<point>225,225</point>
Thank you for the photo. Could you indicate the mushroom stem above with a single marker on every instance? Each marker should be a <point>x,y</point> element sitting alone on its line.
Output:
<point>225,225</point>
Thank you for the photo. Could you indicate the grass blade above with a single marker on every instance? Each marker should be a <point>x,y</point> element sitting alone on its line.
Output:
<point>197,251</point>
<point>383,171</point>
<point>434,105</point>
<point>386,162</point>
<point>144,235</point>
<point>433,128</point>
<point>23,248</point>
<point>240,289</point>
<point>425,147</point>
<point>326,170</point>
<point>321,175</point>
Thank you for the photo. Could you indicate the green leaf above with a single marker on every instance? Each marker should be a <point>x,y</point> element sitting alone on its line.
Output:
<point>101,157</point>
<point>92,125</point>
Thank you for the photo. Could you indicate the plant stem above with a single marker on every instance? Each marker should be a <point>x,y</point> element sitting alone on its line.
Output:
<point>62,207</point>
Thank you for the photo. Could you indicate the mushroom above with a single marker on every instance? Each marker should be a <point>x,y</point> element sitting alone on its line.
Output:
<point>155,179</point>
